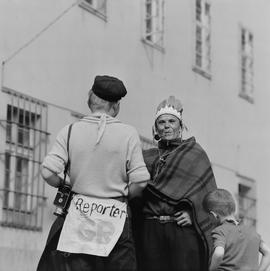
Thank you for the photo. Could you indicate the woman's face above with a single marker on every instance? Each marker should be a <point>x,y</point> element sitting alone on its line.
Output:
<point>168,127</point>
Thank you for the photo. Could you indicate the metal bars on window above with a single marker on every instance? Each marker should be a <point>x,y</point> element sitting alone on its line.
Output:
<point>25,128</point>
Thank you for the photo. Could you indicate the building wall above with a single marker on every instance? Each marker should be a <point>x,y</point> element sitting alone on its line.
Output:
<point>59,64</point>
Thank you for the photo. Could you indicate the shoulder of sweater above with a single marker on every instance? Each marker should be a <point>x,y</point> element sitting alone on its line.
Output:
<point>221,230</point>
<point>110,121</point>
<point>123,128</point>
<point>64,129</point>
<point>127,127</point>
<point>227,228</point>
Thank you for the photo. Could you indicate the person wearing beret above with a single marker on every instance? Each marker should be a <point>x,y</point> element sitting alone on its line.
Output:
<point>176,229</point>
<point>106,169</point>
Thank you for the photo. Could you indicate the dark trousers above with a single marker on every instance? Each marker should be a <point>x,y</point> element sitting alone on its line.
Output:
<point>121,258</point>
<point>167,246</point>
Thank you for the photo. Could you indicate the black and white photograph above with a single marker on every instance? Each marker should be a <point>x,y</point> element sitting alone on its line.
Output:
<point>135,135</point>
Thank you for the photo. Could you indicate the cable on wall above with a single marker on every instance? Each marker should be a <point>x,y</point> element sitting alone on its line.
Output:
<point>36,36</point>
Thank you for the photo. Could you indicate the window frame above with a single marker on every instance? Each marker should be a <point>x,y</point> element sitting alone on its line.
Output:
<point>23,190</point>
<point>202,25</point>
<point>94,9</point>
<point>247,201</point>
<point>155,21</point>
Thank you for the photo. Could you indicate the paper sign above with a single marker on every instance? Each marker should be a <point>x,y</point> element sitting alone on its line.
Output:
<point>92,225</point>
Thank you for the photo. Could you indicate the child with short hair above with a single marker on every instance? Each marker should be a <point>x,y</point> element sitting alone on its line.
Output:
<point>236,246</point>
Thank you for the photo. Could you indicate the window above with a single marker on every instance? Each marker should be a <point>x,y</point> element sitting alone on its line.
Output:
<point>97,7</point>
<point>154,23</point>
<point>247,87</point>
<point>25,146</point>
<point>247,201</point>
<point>19,121</point>
<point>202,62</point>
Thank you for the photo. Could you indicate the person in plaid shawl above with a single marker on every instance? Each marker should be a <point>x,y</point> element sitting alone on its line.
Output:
<point>176,229</point>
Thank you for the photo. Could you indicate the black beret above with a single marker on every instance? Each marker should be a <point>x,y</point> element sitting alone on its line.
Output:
<point>109,88</point>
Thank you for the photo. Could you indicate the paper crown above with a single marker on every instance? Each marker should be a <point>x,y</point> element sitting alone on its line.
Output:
<point>170,106</point>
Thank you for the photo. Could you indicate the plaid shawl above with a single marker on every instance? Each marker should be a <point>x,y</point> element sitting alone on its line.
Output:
<point>184,175</point>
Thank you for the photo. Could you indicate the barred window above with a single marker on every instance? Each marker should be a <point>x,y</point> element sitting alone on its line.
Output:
<point>97,7</point>
<point>202,62</point>
<point>154,23</point>
<point>247,201</point>
<point>25,146</point>
<point>247,86</point>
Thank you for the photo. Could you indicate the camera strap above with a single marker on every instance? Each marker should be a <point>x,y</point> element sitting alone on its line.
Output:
<point>68,161</point>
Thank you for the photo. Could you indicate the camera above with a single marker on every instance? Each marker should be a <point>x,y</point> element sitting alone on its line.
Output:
<point>62,200</point>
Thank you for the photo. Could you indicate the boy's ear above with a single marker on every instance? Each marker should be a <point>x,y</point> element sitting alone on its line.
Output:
<point>214,214</point>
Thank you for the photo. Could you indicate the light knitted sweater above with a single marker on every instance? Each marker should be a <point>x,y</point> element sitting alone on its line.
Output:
<point>100,168</point>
